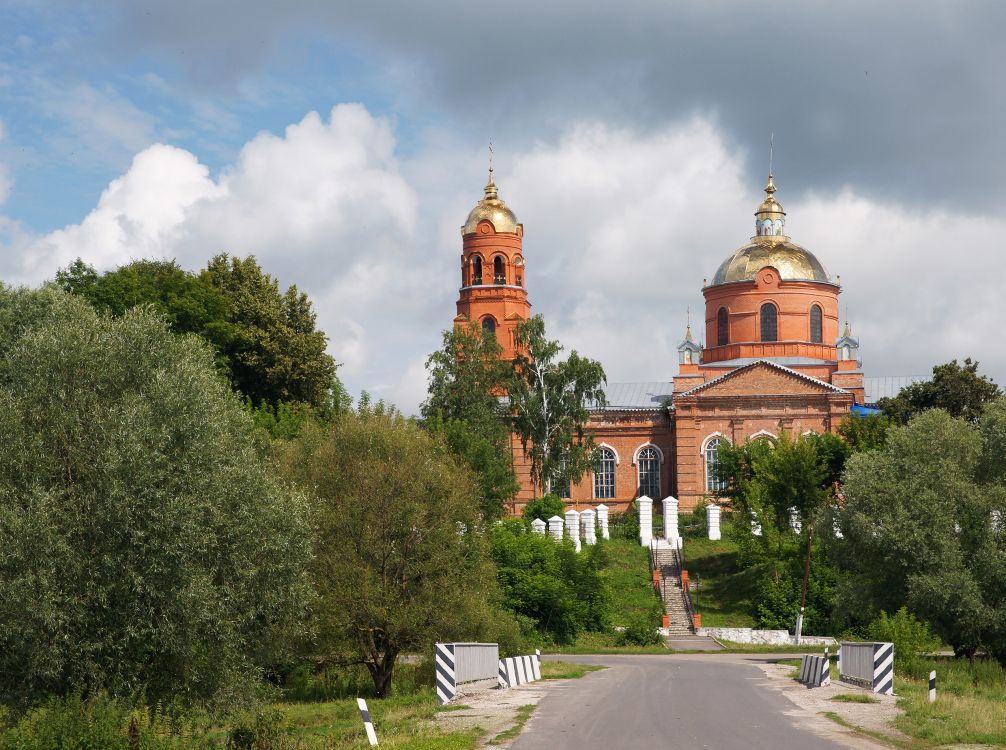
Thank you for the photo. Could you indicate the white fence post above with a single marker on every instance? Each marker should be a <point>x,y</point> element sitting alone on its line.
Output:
<point>589,530</point>
<point>538,526</point>
<point>645,506</point>
<point>602,520</point>
<point>573,527</point>
<point>713,521</point>
<point>671,520</point>
<point>555,527</point>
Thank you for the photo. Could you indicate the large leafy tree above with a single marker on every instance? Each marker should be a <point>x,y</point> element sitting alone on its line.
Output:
<point>923,527</point>
<point>466,408</point>
<point>401,560</point>
<point>956,388</point>
<point>266,340</point>
<point>143,544</point>
<point>275,353</point>
<point>550,399</point>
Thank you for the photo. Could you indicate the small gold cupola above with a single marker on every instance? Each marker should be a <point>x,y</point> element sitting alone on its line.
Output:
<point>770,219</point>
<point>493,210</point>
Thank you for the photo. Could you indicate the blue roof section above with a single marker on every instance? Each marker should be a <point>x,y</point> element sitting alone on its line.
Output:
<point>637,395</point>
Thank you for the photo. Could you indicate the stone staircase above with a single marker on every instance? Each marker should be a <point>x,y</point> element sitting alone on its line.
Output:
<point>668,563</point>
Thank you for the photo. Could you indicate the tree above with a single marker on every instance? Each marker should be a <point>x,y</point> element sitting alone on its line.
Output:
<point>145,545</point>
<point>275,354</point>
<point>265,340</point>
<point>400,561</point>
<point>466,409</point>
<point>957,389</point>
<point>775,484</point>
<point>921,528</point>
<point>864,433</point>
<point>550,400</point>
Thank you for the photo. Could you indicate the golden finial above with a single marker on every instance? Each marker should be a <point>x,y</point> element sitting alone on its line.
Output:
<point>491,191</point>
<point>770,185</point>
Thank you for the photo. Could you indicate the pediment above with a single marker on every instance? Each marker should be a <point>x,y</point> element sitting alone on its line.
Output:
<point>763,378</point>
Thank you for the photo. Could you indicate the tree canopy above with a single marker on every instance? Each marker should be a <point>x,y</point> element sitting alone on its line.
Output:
<point>401,559</point>
<point>550,399</point>
<point>144,545</point>
<point>957,389</point>
<point>465,406</point>
<point>266,340</point>
<point>923,527</point>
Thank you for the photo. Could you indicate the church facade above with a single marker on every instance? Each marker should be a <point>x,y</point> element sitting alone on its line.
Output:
<point>773,359</point>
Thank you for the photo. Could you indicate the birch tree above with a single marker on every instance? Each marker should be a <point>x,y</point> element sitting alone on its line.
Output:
<point>550,399</point>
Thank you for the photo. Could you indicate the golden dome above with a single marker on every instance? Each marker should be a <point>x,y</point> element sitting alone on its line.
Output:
<point>771,247</point>
<point>793,262</point>
<point>493,210</point>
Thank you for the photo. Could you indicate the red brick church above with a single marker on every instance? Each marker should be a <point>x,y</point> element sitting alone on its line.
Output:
<point>773,359</point>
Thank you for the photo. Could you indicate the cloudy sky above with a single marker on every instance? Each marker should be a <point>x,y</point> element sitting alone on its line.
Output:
<point>344,143</point>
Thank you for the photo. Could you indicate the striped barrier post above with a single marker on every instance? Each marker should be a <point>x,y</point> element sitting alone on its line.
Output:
<point>804,664</point>
<point>367,724</point>
<point>824,674</point>
<point>883,668</point>
<point>932,686</point>
<point>447,686</point>
<point>518,670</point>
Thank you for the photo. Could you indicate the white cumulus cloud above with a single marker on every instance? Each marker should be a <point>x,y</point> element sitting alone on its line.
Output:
<point>621,227</point>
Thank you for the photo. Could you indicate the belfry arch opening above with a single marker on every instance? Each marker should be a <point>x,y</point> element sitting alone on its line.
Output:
<point>499,270</point>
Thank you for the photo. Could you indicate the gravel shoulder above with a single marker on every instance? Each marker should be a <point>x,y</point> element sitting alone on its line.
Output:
<point>495,711</point>
<point>811,703</point>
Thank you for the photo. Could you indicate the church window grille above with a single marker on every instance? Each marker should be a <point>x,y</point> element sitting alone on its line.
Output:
<point>499,273</point>
<point>604,474</point>
<point>476,271</point>
<point>816,334</point>
<point>489,326</point>
<point>722,327</point>
<point>713,482</point>
<point>769,322</point>
<point>649,473</point>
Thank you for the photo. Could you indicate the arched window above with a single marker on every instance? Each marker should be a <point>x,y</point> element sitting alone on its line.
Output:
<point>648,463</point>
<point>816,335</point>
<point>769,323</point>
<point>499,274</point>
<point>604,474</point>
<point>489,325</point>
<point>476,270</point>
<point>722,327</point>
<point>713,483</point>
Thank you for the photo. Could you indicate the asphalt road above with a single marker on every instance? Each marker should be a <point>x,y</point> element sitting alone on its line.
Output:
<point>684,702</point>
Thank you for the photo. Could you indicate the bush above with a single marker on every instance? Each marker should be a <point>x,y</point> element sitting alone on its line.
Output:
<point>625,525</point>
<point>103,723</point>
<point>544,508</point>
<point>639,632</point>
<point>563,592</point>
<point>693,525</point>
<point>911,637</point>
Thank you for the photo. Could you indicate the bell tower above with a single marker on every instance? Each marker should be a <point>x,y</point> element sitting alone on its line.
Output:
<point>492,292</point>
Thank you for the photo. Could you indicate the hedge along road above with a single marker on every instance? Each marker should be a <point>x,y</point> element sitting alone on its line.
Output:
<point>684,701</point>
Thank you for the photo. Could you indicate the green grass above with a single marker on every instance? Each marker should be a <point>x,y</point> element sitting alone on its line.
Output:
<point>402,723</point>
<point>970,702</point>
<point>565,670</point>
<point>523,714</point>
<point>725,597</point>
<point>631,583</point>
<point>854,698</point>
<point>602,643</point>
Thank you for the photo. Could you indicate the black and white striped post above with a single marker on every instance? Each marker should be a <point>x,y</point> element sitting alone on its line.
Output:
<point>883,668</point>
<point>932,686</point>
<point>447,687</point>
<point>367,724</point>
<point>825,676</point>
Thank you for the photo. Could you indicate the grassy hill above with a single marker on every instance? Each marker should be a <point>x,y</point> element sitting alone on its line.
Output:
<point>726,595</point>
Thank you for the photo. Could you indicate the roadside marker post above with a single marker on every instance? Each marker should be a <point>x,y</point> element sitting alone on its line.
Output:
<point>367,724</point>
<point>932,686</point>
